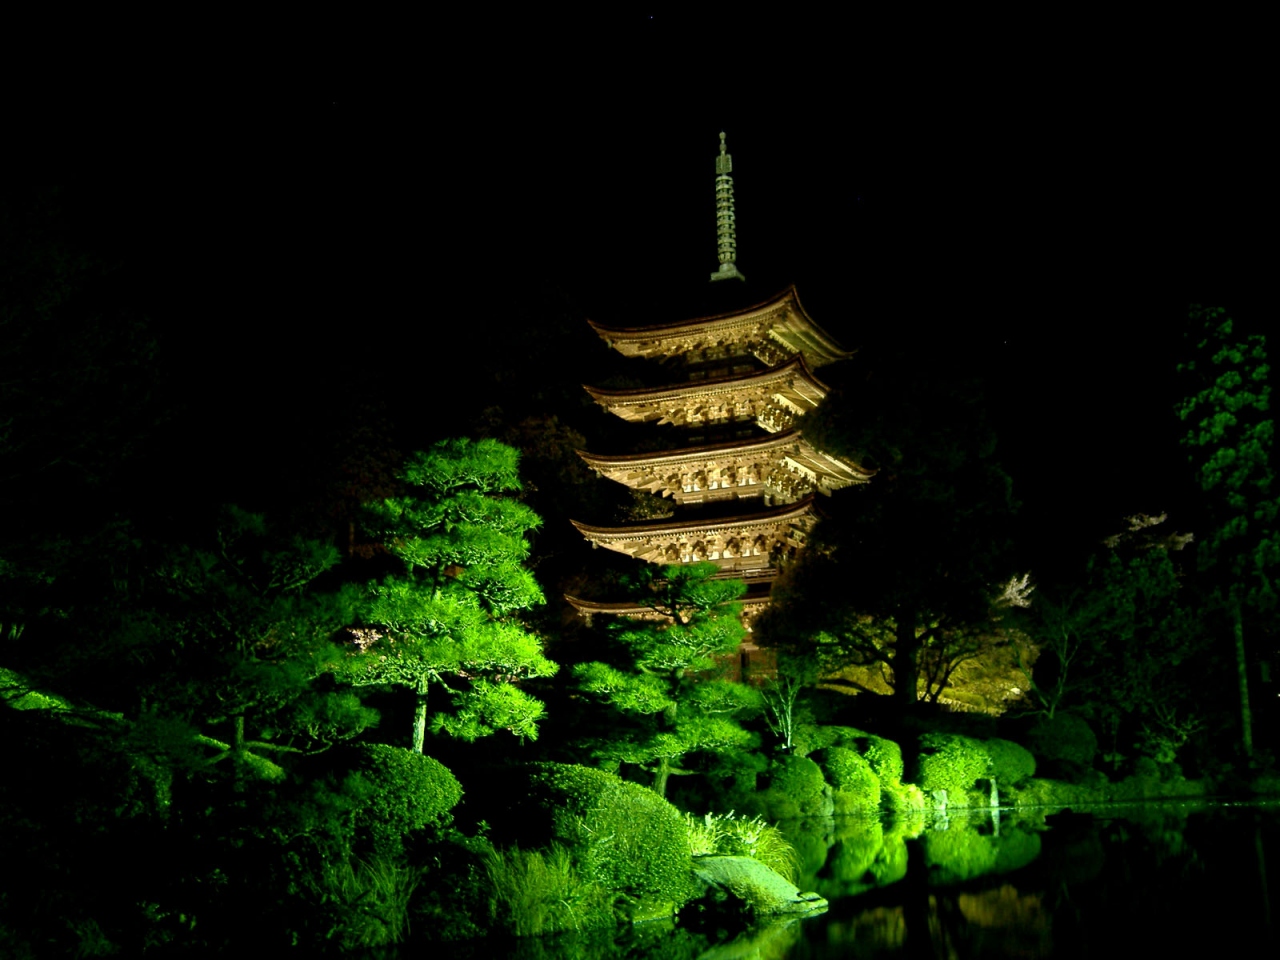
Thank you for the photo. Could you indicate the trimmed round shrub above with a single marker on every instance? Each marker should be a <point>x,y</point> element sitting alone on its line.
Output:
<point>405,791</point>
<point>857,788</point>
<point>1011,763</point>
<point>624,836</point>
<point>951,762</point>
<point>796,789</point>
<point>1065,737</point>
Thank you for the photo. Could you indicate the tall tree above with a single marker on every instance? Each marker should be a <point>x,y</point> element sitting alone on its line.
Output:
<point>1114,644</point>
<point>905,562</point>
<point>1229,444</point>
<point>663,682</point>
<point>448,616</point>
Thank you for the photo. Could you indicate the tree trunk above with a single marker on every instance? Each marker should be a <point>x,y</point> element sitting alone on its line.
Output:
<point>1242,672</point>
<point>906,661</point>
<point>237,750</point>
<point>661,777</point>
<point>420,716</point>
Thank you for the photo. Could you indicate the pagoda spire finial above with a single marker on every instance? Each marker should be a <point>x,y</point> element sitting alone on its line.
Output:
<point>726,231</point>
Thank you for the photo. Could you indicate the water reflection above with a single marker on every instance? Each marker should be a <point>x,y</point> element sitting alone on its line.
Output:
<point>1105,882</point>
<point>1172,879</point>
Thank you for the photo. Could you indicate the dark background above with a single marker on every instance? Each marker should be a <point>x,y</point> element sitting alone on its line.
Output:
<point>1043,211</point>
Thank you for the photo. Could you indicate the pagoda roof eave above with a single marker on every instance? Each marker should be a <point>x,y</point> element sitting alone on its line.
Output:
<point>796,365</point>
<point>735,316</point>
<point>788,512</point>
<point>629,608</point>
<point>691,453</point>
<point>683,454</point>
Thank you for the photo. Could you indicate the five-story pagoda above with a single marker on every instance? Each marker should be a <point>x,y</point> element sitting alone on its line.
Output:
<point>742,477</point>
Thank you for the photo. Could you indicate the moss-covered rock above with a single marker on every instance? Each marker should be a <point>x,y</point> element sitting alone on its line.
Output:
<point>765,892</point>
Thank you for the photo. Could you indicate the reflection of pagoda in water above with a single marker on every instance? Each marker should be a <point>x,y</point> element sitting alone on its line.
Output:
<point>744,481</point>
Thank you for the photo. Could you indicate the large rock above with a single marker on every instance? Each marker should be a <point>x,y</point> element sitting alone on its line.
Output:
<point>763,890</point>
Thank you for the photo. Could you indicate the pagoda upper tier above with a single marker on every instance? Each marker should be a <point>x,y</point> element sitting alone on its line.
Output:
<point>773,398</point>
<point>747,546</point>
<point>781,468</point>
<point>772,332</point>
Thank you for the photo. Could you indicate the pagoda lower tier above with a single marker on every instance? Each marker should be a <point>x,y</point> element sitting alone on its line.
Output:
<point>780,469</point>
<point>773,398</point>
<point>754,602</point>
<point>747,547</point>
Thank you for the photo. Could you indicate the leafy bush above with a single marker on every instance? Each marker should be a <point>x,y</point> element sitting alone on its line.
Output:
<point>885,758</point>
<point>903,798</point>
<point>951,762</point>
<point>405,791</point>
<point>857,788</point>
<point>1010,763</point>
<point>1065,737</point>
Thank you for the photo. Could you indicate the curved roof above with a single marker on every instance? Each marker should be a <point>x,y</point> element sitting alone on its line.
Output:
<point>637,531</point>
<point>781,319</point>
<point>793,380</point>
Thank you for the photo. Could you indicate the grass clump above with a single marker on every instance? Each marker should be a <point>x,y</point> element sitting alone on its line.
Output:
<point>533,892</point>
<point>363,903</point>
<point>732,836</point>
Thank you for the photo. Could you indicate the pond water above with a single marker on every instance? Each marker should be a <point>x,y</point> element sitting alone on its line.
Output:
<point>1171,880</point>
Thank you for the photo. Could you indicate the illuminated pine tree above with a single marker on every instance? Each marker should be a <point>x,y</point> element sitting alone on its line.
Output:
<point>448,618</point>
<point>663,681</point>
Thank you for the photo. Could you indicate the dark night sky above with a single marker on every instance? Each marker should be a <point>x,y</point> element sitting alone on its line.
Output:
<point>1045,217</point>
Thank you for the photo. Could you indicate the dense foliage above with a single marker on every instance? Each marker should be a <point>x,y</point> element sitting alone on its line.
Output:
<point>664,683</point>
